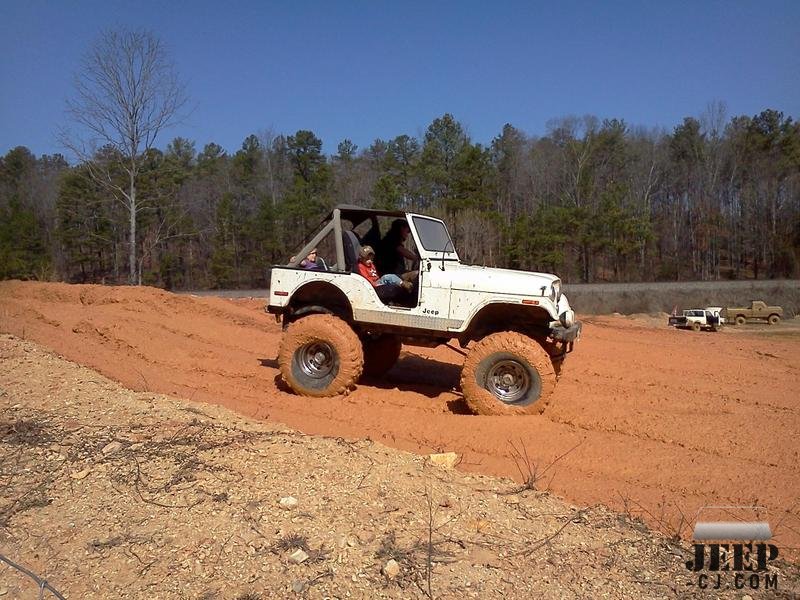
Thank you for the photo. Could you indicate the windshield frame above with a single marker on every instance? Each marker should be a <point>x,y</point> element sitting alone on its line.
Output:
<point>449,250</point>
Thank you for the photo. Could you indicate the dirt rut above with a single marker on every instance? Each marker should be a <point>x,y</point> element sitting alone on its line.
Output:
<point>646,419</point>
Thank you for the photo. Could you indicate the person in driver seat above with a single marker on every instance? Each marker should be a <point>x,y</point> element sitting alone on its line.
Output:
<point>392,252</point>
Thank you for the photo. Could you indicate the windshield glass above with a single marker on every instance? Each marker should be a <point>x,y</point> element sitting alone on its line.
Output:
<point>433,235</point>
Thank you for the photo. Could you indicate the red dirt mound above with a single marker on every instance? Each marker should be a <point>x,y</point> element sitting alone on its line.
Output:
<point>656,421</point>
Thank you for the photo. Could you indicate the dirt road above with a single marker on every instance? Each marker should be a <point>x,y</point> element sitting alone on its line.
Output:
<point>194,492</point>
<point>646,419</point>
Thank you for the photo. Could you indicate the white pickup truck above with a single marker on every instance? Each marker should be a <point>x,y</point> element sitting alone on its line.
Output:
<point>699,318</point>
<point>517,326</point>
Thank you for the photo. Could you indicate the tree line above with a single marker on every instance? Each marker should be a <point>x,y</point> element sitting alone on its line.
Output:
<point>591,200</point>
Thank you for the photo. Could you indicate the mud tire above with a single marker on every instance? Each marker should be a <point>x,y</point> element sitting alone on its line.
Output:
<point>740,320</point>
<point>335,339</point>
<point>556,356</point>
<point>696,326</point>
<point>380,355</point>
<point>774,319</point>
<point>507,346</point>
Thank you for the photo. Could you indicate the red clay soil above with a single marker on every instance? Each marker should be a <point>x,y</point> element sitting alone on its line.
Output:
<point>647,419</point>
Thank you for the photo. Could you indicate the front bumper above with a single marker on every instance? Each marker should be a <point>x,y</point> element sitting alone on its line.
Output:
<point>276,310</point>
<point>566,334</point>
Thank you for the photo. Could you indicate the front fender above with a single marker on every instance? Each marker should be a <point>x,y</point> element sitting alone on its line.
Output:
<point>542,305</point>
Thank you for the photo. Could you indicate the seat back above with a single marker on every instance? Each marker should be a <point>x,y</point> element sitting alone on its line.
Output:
<point>351,247</point>
<point>372,237</point>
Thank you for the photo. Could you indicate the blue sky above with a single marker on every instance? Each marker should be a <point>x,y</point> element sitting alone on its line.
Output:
<point>367,70</point>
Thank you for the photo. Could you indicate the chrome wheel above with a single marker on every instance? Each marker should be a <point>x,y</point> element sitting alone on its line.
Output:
<point>316,359</point>
<point>508,381</point>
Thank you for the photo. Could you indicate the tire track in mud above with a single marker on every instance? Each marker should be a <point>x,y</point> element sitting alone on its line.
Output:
<point>660,417</point>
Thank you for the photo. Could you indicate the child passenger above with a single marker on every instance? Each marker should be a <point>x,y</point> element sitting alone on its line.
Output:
<point>366,267</point>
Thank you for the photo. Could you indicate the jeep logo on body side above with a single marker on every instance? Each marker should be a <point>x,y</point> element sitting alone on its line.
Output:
<point>428,311</point>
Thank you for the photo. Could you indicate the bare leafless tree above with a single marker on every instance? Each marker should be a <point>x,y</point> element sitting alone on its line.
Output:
<point>126,92</point>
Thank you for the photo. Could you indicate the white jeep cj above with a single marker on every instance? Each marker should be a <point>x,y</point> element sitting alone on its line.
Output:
<point>517,327</point>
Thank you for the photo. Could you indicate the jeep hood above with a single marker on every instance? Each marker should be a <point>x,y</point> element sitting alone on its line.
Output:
<point>498,281</point>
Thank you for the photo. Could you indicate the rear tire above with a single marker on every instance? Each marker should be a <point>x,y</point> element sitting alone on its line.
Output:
<point>381,354</point>
<point>320,355</point>
<point>740,320</point>
<point>696,326</point>
<point>774,319</point>
<point>508,373</point>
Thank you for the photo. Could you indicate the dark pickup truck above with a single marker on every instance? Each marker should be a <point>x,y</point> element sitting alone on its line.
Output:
<point>757,310</point>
